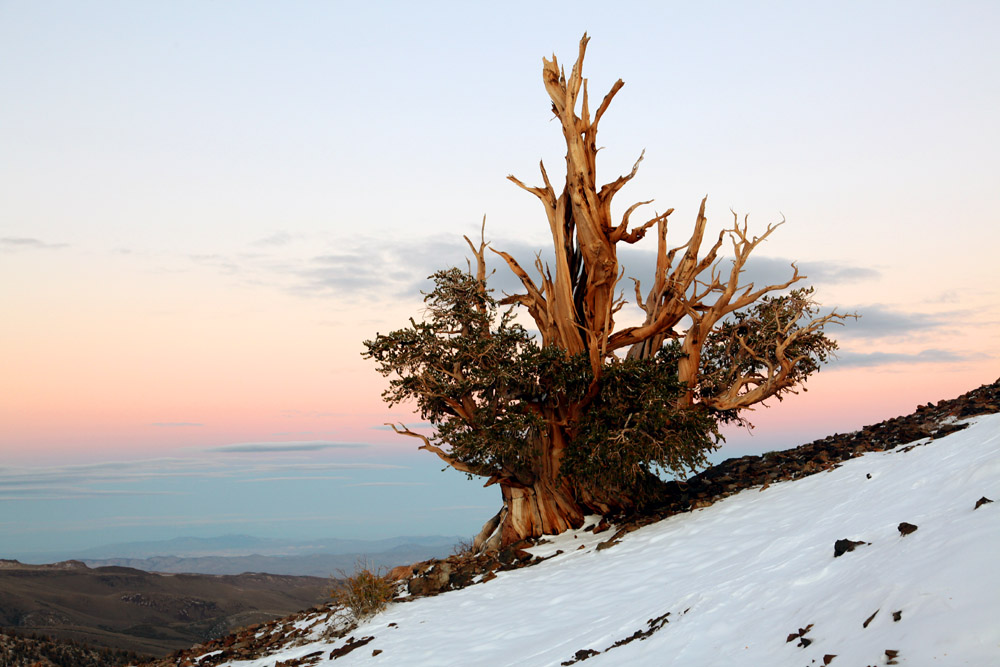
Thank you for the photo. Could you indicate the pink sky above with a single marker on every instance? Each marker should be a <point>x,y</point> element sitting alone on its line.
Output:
<point>205,212</point>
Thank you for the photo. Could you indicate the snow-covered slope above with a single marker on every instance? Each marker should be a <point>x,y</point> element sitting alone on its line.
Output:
<point>736,583</point>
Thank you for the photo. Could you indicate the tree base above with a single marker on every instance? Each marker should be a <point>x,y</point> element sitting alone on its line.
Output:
<point>551,509</point>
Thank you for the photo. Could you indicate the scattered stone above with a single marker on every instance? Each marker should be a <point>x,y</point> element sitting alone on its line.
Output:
<point>580,655</point>
<point>801,636</point>
<point>891,655</point>
<point>982,501</point>
<point>653,624</point>
<point>946,429</point>
<point>906,528</point>
<point>828,658</point>
<point>868,475</point>
<point>841,547</point>
<point>897,616</point>
<point>349,646</point>
<point>305,661</point>
<point>869,619</point>
<point>602,526</point>
<point>376,652</point>
<point>614,539</point>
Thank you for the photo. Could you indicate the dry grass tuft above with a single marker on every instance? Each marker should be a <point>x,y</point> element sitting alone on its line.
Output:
<point>364,593</point>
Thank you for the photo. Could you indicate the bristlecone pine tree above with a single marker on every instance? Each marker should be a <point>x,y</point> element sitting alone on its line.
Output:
<point>581,421</point>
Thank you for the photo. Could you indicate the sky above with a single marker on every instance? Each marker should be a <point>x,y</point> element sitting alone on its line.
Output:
<point>206,208</point>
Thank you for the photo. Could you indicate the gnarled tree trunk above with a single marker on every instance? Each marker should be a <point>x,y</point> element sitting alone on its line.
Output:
<point>574,302</point>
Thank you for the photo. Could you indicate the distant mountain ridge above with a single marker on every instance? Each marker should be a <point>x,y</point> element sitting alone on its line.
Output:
<point>310,565</point>
<point>230,546</point>
<point>139,611</point>
<point>237,554</point>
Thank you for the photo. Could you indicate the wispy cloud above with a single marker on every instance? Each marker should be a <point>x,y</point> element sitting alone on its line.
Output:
<point>36,494</point>
<point>14,243</point>
<point>311,413</point>
<point>410,425</point>
<point>292,478</point>
<point>381,270</point>
<point>460,508</point>
<point>110,478</point>
<point>852,360</point>
<point>122,521</point>
<point>311,466</point>
<point>881,321</point>
<point>222,263</point>
<point>640,263</point>
<point>389,484</point>
<point>162,476</point>
<point>276,239</point>
<point>291,446</point>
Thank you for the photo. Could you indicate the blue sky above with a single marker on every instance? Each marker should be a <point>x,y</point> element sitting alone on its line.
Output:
<point>207,207</point>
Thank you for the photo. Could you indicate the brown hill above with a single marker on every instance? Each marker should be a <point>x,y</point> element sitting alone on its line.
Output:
<point>140,611</point>
<point>23,651</point>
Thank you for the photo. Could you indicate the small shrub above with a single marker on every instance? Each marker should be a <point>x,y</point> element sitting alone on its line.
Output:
<point>463,548</point>
<point>364,593</point>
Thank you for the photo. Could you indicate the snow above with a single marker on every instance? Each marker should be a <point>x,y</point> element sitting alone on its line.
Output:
<point>571,540</point>
<point>740,576</point>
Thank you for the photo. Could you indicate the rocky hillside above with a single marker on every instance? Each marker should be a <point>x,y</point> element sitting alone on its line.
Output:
<point>140,611</point>
<point>18,650</point>
<point>885,558</point>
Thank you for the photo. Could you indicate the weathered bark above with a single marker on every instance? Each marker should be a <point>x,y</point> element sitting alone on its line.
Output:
<point>574,302</point>
<point>574,307</point>
<point>545,508</point>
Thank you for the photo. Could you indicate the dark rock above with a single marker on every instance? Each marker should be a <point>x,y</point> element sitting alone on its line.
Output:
<point>897,616</point>
<point>906,528</point>
<point>841,547</point>
<point>869,619</point>
<point>801,636</point>
<point>982,501</point>
<point>349,646</point>
<point>522,556</point>
<point>607,544</point>
<point>946,429</point>
<point>580,655</point>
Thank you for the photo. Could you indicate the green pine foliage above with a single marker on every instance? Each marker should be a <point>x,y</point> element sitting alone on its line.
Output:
<point>487,388</point>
